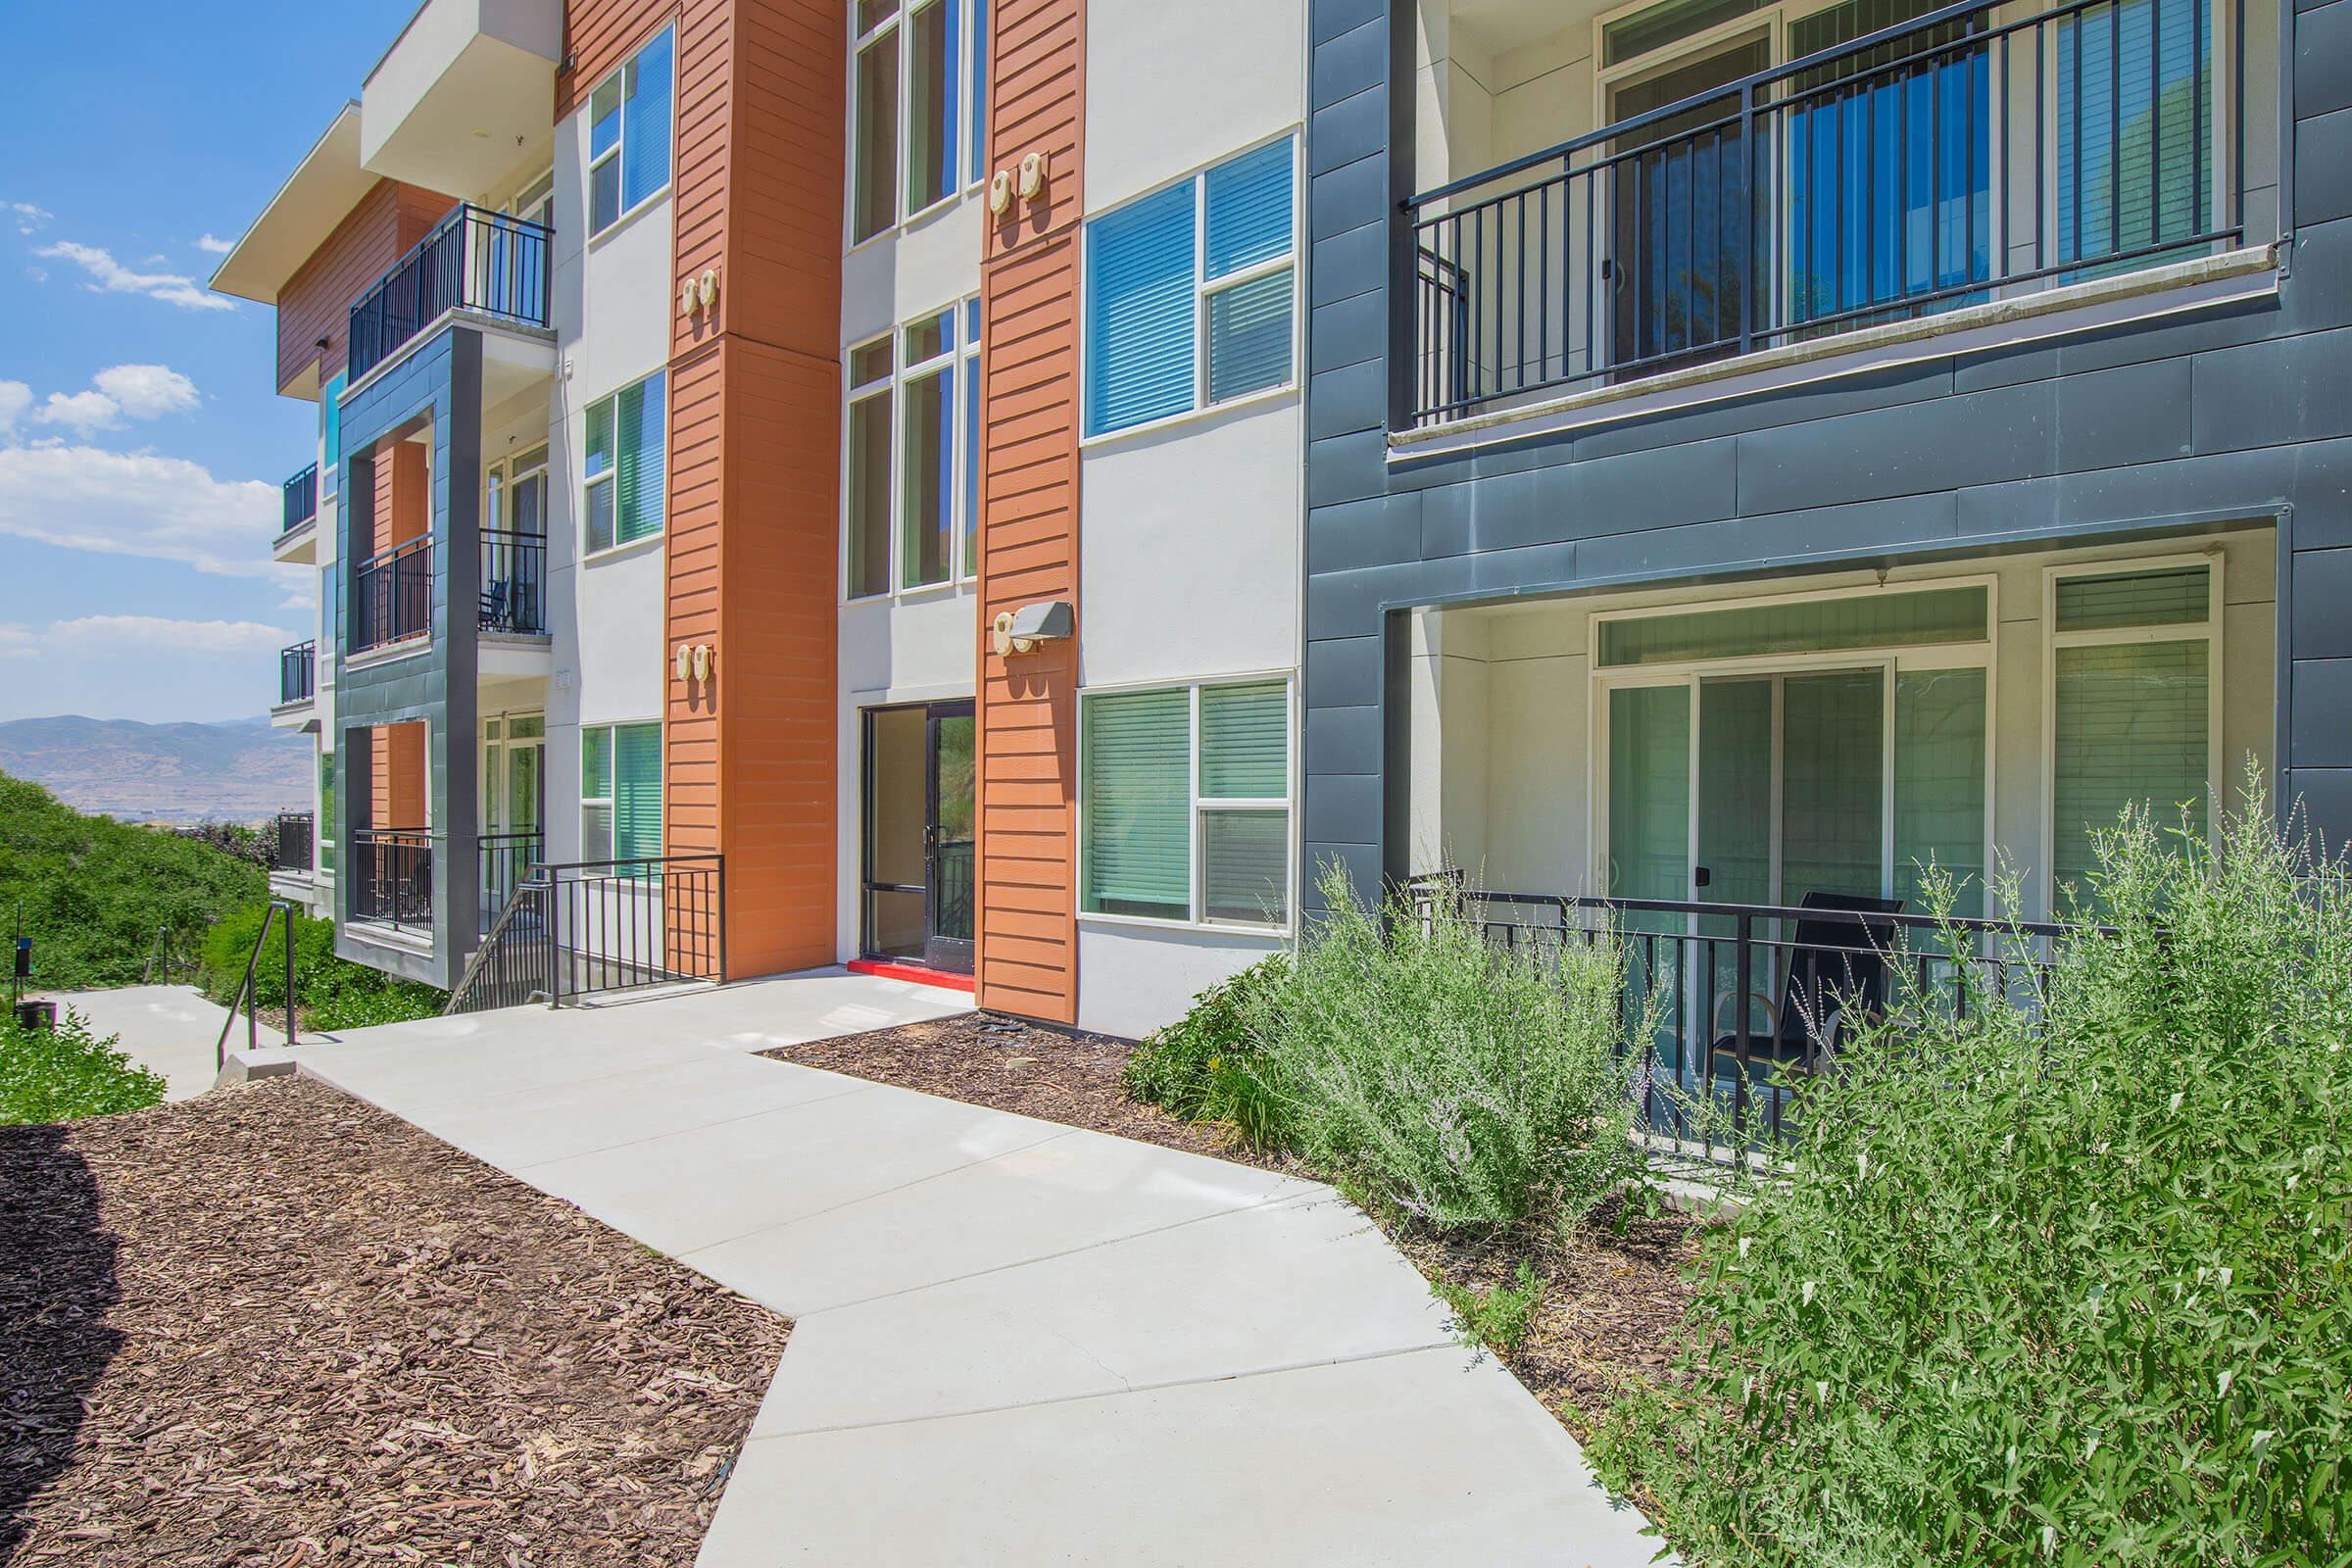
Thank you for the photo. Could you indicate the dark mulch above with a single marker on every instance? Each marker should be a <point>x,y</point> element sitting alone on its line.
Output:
<point>1613,1289</point>
<point>272,1326</point>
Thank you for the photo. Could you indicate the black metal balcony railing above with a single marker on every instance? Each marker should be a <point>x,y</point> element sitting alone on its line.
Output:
<point>599,927</point>
<point>392,595</point>
<point>297,673</point>
<point>1955,159</point>
<point>514,582</point>
<point>300,499</point>
<point>509,861</point>
<point>474,260</point>
<point>1722,1075</point>
<point>391,875</point>
<point>291,843</point>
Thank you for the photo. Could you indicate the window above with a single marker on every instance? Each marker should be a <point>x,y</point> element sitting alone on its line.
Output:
<point>620,792</point>
<point>911,489</point>
<point>920,97</point>
<point>2135,658</point>
<point>330,433</point>
<point>621,469</point>
<point>1189,293</point>
<point>329,829</point>
<point>1184,800</point>
<point>629,133</point>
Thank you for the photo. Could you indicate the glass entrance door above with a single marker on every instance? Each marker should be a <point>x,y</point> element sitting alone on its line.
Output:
<point>922,822</point>
<point>514,805</point>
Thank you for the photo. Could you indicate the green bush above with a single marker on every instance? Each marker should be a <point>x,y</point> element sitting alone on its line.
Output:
<point>1204,1067</point>
<point>94,891</point>
<point>66,1073</point>
<point>1495,1317</point>
<point>333,993</point>
<point>2061,1288</point>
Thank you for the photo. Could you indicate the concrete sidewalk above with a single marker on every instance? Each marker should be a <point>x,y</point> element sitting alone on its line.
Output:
<point>1013,1341</point>
<point>172,1030</point>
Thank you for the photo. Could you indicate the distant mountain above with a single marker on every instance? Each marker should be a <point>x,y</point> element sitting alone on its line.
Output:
<point>239,771</point>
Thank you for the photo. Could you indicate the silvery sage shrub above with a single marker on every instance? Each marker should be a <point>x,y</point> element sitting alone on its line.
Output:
<point>2057,1285</point>
<point>1439,1077</point>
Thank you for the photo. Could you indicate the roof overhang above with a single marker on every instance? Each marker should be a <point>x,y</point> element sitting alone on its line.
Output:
<point>465,94</point>
<point>316,198</point>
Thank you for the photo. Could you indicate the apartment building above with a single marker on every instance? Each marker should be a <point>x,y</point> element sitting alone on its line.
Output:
<point>804,481</point>
<point>1757,451</point>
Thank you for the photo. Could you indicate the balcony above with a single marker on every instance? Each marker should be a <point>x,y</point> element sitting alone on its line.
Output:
<point>297,676</point>
<point>392,596</point>
<point>486,264</point>
<point>1965,170</point>
<point>514,583</point>
<point>297,536</point>
<point>391,875</point>
<point>290,843</point>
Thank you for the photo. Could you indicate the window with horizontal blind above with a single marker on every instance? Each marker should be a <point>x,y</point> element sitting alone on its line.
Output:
<point>629,121</point>
<point>2133,654</point>
<point>623,470</point>
<point>620,791</point>
<point>1186,803</point>
<point>1191,293</point>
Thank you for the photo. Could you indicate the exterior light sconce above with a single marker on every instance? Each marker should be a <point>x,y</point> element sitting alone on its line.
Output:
<point>699,293</point>
<point>1033,176</point>
<point>1020,631</point>
<point>1000,191</point>
<point>695,660</point>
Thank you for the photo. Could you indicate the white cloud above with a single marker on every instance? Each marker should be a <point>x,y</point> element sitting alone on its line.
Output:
<point>14,397</point>
<point>109,277</point>
<point>214,245</point>
<point>140,634</point>
<point>28,217</point>
<point>85,412</point>
<point>147,391</point>
<point>140,503</point>
<point>18,642</point>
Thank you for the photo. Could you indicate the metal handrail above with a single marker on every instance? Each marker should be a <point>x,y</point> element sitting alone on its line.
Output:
<point>440,274</point>
<point>301,500</point>
<point>253,1023</point>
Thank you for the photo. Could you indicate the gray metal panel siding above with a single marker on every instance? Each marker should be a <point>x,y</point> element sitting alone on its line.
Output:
<point>2243,412</point>
<point>440,380</point>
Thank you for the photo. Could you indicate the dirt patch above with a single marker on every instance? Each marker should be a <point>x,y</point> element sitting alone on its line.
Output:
<point>272,1326</point>
<point>1613,1292</point>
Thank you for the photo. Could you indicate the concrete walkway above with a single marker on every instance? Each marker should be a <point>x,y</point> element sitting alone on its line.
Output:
<point>171,1030</point>
<point>1012,1342</point>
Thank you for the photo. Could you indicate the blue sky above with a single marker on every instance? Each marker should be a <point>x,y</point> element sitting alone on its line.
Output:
<point>141,442</point>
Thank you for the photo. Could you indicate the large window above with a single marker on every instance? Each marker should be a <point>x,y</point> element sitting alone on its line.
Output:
<point>622,464</point>
<point>912,490</point>
<point>1189,293</point>
<point>917,85</point>
<point>1184,803</point>
<point>620,791</point>
<point>329,830</point>
<point>2135,660</point>
<point>629,133</point>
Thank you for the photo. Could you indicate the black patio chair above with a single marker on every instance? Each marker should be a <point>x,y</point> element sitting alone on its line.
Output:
<point>1837,975</point>
<point>495,615</point>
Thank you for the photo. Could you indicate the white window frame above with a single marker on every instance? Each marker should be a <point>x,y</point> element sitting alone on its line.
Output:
<point>963,525</point>
<point>610,801</point>
<point>1978,653</point>
<point>970,171</point>
<point>2208,632</point>
<point>1204,289</point>
<point>621,138</point>
<point>1197,806</point>
<point>612,476</point>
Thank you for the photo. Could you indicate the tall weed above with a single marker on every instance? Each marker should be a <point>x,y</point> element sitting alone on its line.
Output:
<point>2057,1284</point>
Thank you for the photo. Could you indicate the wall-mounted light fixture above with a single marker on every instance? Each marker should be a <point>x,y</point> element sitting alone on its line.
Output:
<point>1020,631</point>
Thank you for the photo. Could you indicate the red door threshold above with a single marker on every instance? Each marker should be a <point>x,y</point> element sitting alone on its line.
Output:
<point>915,972</point>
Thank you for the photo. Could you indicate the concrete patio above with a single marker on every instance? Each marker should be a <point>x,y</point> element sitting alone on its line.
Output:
<point>1013,1341</point>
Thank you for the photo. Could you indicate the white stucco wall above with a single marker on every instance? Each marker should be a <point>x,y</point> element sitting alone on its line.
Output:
<point>1172,87</point>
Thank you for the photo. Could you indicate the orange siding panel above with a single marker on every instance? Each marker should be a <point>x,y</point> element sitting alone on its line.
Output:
<point>1028,704</point>
<point>315,302</point>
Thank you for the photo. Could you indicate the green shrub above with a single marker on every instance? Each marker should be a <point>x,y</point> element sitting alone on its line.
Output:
<point>2071,1288</point>
<point>1443,1078</point>
<point>1495,1316</point>
<point>1204,1067</point>
<point>94,891</point>
<point>333,993</point>
<point>66,1073</point>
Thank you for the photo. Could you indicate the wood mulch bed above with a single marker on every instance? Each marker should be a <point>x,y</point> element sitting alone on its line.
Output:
<point>272,1326</point>
<point>1613,1290</point>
